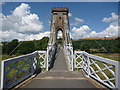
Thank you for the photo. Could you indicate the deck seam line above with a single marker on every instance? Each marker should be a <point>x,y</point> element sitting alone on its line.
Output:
<point>62,78</point>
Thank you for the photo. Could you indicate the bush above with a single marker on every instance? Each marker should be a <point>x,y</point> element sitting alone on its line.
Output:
<point>7,48</point>
<point>101,46</point>
<point>26,47</point>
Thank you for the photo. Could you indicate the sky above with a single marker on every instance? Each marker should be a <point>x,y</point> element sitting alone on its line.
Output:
<point>31,20</point>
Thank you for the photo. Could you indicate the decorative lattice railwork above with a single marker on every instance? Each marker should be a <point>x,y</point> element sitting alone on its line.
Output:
<point>104,70</point>
<point>78,63</point>
<point>42,59</point>
<point>68,51</point>
<point>51,52</point>
<point>17,69</point>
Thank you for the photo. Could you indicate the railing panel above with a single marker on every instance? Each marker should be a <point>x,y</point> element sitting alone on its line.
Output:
<point>51,52</point>
<point>104,70</point>
<point>68,50</point>
<point>42,59</point>
<point>78,57</point>
<point>17,69</point>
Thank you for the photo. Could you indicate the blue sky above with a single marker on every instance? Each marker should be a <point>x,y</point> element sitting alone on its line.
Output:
<point>91,14</point>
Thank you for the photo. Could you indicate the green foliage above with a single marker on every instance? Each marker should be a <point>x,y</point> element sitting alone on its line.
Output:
<point>91,46</point>
<point>25,47</point>
<point>41,44</point>
<point>98,46</point>
<point>59,41</point>
<point>7,48</point>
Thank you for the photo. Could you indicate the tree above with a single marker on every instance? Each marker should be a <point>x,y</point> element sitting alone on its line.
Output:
<point>101,46</point>
<point>41,44</point>
<point>26,47</point>
<point>10,46</point>
<point>85,47</point>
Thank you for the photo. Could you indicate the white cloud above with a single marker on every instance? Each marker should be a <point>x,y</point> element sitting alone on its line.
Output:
<point>21,23</point>
<point>81,31</point>
<point>22,10</point>
<point>38,36</point>
<point>113,17</point>
<point>110,31</point>
<point>10,35</point>
<point>86,32</point>
<point>59,34</point>
<point>70,14</point>
<point>49,22</point>
<point>77,21</point>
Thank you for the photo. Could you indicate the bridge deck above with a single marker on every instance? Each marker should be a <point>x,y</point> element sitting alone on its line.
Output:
<point>60,77</point>
<point>60,62</point>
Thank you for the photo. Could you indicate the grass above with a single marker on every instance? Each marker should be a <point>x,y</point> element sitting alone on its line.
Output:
<point>16,66</point>
<point>4,56</point>
<point>14,71</point>
<point>113,56</point>
<point>102,66</point>
<point>41,60</point>
<point>107,72</point>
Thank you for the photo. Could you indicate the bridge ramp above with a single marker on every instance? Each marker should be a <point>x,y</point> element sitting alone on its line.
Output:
<point>60,62</point>
<point>60,77</point>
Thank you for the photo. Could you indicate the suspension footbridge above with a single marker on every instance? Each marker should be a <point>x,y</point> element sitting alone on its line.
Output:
<point>60,67</point>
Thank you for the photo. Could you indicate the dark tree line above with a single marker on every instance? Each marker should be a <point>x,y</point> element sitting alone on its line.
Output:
<point>91,46</point>
<point>24,47</point>
<point>98,46</point>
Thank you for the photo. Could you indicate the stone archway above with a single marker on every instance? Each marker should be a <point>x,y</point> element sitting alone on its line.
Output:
<point>60,20</point>
<point>59,37</point>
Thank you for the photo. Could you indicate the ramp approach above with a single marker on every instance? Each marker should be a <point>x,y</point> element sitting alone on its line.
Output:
<point>60,77</point>
<point>60,66</point>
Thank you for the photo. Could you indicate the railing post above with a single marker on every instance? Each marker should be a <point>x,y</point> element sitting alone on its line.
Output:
<point>82,61</point>
<point>32,67</point>
<point>117,70</point>
<point>74,55</point>
<point>72,59</point>
<point>2,75</point>
<point>37,58</point>
<point>47,59</point>
<point>88,60</point>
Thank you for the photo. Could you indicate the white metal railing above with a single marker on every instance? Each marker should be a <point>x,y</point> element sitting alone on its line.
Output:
<point>15,70</point>
<point>68,51</point>
<point>42,58</point>
<point>104,70</point>
<point>51,51</point>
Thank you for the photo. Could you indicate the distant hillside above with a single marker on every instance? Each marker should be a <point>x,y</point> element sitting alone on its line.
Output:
<point>97,38</point>
<point>97,45</point>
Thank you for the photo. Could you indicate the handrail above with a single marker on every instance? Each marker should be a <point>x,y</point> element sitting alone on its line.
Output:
<point>104,70</point>
<point>42,59</point>
<point>15,70</point>
<point>51,51</point>
<point>68,51</point>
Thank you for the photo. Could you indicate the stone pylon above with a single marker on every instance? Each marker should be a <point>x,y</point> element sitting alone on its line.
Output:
<point>60,21</point>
